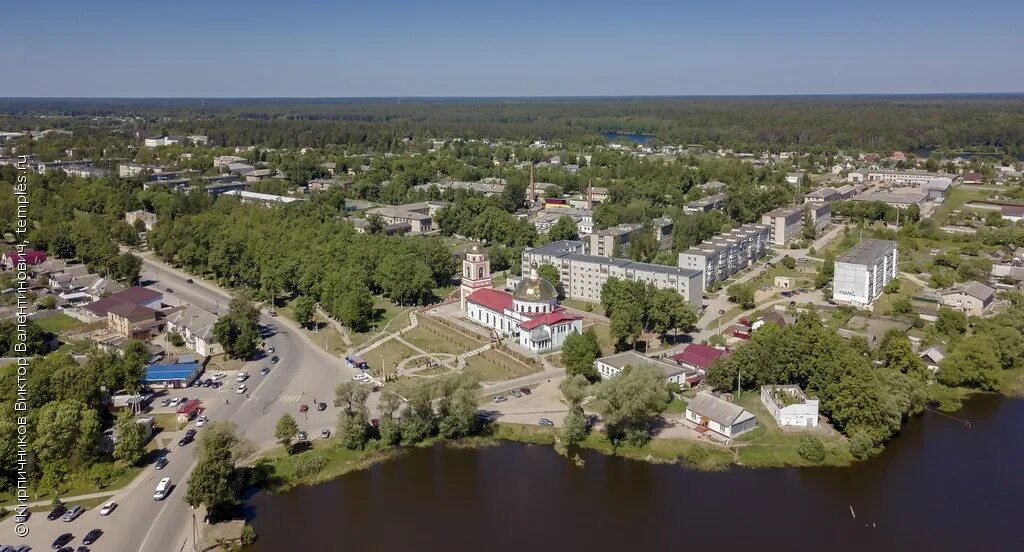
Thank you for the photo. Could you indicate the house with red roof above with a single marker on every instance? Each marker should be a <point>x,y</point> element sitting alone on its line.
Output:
<point>699,357</point>
<point>122,302</point>
<point>30,257</point>
<point>530,314</point>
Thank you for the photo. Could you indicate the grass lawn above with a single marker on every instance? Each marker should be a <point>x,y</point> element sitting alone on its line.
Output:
<point>769,445</point>
<point>321,460</point>
<point>677,406</point>
<point>88,503</point>
<point>604,338</point>
<point>386,356</point>
<point>907,289</point>
<point>956,199</point>
<point>585,306</point>
<point>391,318</point>
<point>435,338</point>
<point>725,318</point>
<point>494,366</point>
<point>79,485</point>
<point>58,323</point>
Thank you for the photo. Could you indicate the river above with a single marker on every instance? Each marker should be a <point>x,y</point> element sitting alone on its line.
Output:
<point>940,485</point>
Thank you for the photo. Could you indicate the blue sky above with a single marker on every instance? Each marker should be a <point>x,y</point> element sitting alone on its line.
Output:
<point>511,48</point>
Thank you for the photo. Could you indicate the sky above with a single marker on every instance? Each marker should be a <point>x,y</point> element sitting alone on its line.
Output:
<point>372,48</point>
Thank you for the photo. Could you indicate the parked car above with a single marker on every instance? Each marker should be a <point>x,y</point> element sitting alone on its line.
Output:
<point>325,433</point>
<point>91,536</point>
<point>302,436</point>
<point>272,313</point>
<point>241,389</point>
<point>274,358</point>
<point>160,463</point>
<point>82,549</point>
<point>271,350</point>
<point>65,549</point>
<point>207,383</point>
<point>265,370</point>
<point>190,433</point>
<point>525,390</point>
<point>62,540</point>
<point>201,420</point>
<point>166,402</point>
<point>22,517</point>
<point>73,513</point>
<point>108,506</point>
<point>304,408</point>
<point>56,512</point>
<point>516,393</point>
<point>546,422</point>
<point>500,399</point>
<point>169,290</point>
<point>321,406</point>
<point>216,385</point>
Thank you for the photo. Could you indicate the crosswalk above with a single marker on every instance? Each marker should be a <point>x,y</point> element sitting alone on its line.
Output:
<point>291,398</point>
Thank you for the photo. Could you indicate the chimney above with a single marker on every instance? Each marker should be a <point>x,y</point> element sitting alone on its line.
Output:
<point>533,193</point>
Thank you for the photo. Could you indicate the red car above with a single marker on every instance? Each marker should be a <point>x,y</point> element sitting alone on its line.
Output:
<point>304,408</point>
<point>525,390</point>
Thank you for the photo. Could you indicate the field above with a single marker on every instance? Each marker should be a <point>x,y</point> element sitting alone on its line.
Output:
<point>433,337</point>
<point>769,445</point>
<point>494,366</point>
<point>383,358</point>
<point>58,323</point>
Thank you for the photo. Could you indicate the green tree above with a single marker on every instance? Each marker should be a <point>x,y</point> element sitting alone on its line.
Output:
<point>575,389</point>
<point>390,403</point>
<point>285,431</point>
<point>303,309</point>
<point>631,402</point>
<point>898,354</point>
<point>627,323</point>
<point>742,295</point>
<point>238,332</point>
<point>131,438</point>
<point>789,262</point>
<point>456,405</point>
<point>973,362</point>
<point>951,322</point>
<point>564,229</point>
<point>669,311</point>
<point>418,421</point>
<point>642,244</point>
<point>175,338</point>
<point>353,417</point>
<point>210,484</point>
<point>825,272</point>
<point>579,351</point>
<point>67,433</point>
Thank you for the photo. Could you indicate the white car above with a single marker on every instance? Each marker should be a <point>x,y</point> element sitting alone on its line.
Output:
<point>359,377</point>
<point>201,420</point>
<point>241,389</point>
<point>108,507</point>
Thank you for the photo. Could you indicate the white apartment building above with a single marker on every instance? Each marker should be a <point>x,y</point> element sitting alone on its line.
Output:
<point>584,275</point>
<point>908,177</point>
<point>584,219</point>
<point>861,274</point>
<point>726,254</point>
<point>785,223</point>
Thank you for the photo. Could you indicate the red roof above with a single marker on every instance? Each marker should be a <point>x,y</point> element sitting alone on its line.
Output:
<point>133,296</point>
<point>492,299</point>
<point>701,356</point>
<point>552,318</point>
<point>31,256</point>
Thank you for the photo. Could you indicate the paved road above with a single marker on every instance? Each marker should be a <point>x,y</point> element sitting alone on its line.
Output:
<point>145,525</point>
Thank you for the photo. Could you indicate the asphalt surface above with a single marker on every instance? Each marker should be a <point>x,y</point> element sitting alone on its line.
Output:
<point>146,525</point>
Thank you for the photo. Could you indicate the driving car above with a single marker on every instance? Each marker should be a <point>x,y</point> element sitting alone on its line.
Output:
<point>201,420</point>
<point>304,408</point>
<point>241,389</point>
<point>271,350</point>
<point>546,422</point>
<point>190,281</point>
<point>169,290</point>
<point>184,440</point>
<point>160,463</point>
<point>91,536</point>
<point>108,507</point>
<point>525,390</point>
<point>62,540</point>
<point>272,313</point>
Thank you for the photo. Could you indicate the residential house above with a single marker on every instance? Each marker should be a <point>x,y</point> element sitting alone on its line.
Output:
<point>30,257</point>
<point>147,218</point>
<point>611,366</point>
<point>196,326</point>
<point>707,412</point>
<point>973,298</point>
<point>698,357</point>
<point>133,321</point>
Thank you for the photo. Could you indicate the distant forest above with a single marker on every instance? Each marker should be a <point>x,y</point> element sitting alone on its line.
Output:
<point>992,123</point>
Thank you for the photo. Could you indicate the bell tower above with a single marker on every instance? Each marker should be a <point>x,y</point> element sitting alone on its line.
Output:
<point>476,273</point>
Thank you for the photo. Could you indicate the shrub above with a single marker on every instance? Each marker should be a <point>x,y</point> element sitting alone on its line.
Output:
<point>310,466</point>
<point>811,449</point>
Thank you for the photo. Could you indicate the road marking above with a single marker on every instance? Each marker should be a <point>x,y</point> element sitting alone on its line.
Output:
<point>291,398</point>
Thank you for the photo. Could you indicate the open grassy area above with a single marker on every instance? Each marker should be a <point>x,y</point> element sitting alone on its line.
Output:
<point>324,459</point>
<point>585,306</point>
<point>768,445</point>
<point>956,199</point>
<point>907,289</point>
<point>383,358</point>
<point>58,323</point>
<point>494,366</point>
<point>433,337</point>
<point>677,406</point>
<point>391,318</point>
<point>88,503</point>
<point>604,338</point>
<point>116,477</point>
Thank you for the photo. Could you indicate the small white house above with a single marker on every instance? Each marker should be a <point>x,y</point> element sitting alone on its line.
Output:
<point>789,406</point>
<point>709,413</point>
<point>611,366</point>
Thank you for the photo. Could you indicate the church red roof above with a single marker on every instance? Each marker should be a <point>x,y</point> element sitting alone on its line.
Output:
<point>552,318</point>
<point>492,299</point>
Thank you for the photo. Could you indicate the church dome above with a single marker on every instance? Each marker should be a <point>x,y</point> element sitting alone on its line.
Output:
<point>476,249</point>
<point>534,289</point>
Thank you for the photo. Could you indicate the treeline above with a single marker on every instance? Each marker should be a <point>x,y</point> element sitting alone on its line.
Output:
<point>305,249</point>
<point>776,123</point>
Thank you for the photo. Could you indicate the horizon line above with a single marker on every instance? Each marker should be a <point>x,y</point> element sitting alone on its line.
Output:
<point>514,97</point>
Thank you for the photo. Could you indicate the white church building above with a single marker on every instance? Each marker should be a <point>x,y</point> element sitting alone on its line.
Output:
<point>530,314</point>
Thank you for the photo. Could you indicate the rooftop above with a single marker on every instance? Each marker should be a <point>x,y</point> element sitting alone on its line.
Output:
<point>723,412</point>
<point>633,358</point>
<point>867,251</point>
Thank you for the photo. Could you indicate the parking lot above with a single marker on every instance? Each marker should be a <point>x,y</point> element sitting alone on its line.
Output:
<point>543,401</point>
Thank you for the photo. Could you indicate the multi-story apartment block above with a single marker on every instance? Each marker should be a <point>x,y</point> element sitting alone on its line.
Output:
<point>726,254</point>
<point>861,274</point>
<point>706,204</point>
<point>584,275</point>
<point>908,177</point>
